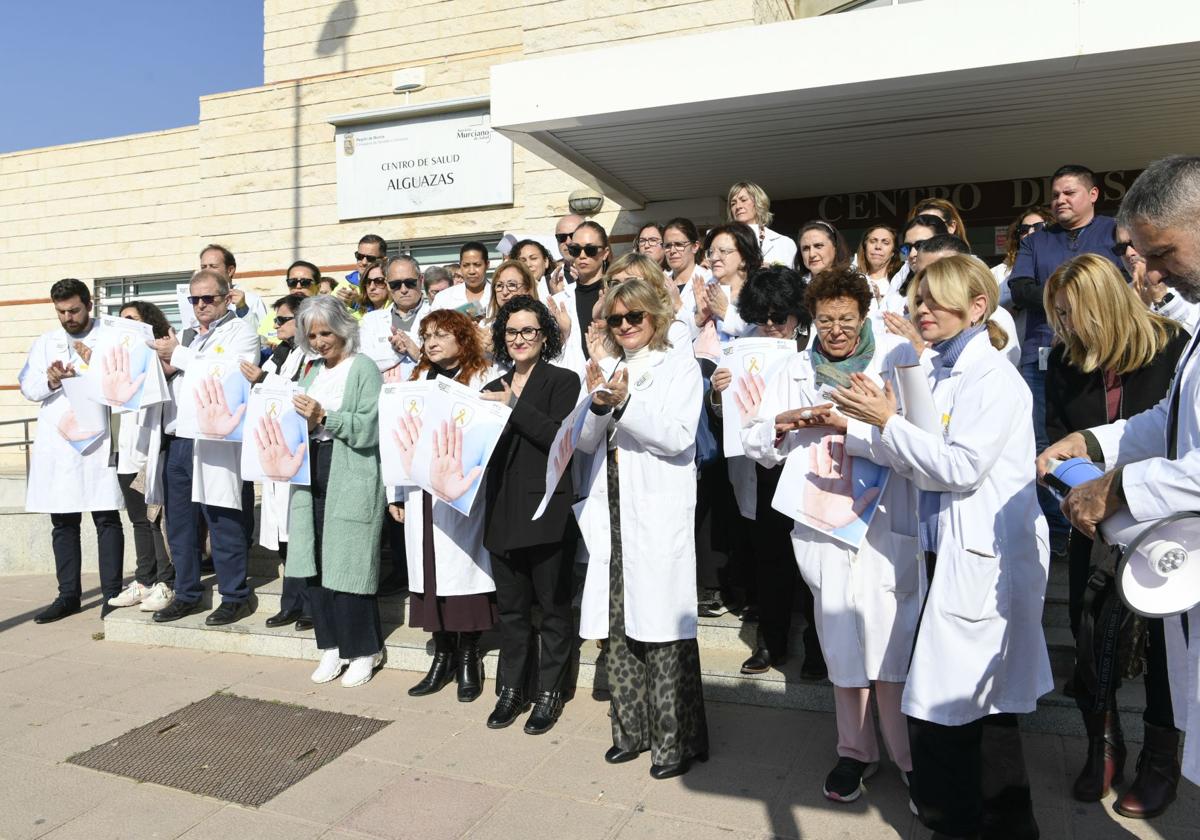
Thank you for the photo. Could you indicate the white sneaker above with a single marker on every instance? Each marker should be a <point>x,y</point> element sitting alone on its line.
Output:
<point>331,665</point>
<point>361,669</point>
<point>158,597</point>
<point>131,595</point>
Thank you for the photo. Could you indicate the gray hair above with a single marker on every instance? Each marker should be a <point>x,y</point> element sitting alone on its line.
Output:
<point>1166,194</point>
<point>403,258</point>
<point>435,273</point>
<point>330,311</point>
<point>211,274</point>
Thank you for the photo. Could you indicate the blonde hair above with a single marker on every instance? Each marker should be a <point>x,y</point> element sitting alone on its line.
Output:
<point>640,264</point>
<point>949,214</point>
<point>1111,329</point>
<point>762,204</point>
<point>531,289</point>
<point>644,296</point>
<point>953,283</point>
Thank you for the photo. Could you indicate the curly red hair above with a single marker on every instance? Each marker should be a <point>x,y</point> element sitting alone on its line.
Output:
<point>471,359</point>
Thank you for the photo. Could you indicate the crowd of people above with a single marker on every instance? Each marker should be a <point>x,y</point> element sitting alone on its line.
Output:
<point>1077,344</point>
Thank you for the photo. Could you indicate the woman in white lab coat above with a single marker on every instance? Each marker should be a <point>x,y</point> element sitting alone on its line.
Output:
<point>866,600</point>
<point>980,654</point>
<point>748,203</point>
<point>452,594</point>
<point>637,522</point>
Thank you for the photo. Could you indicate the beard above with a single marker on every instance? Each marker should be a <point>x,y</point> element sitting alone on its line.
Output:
<point>1187,284</point>
<point>77,329</point>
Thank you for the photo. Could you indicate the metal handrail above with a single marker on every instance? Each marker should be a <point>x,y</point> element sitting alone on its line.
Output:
<point>27,442</point>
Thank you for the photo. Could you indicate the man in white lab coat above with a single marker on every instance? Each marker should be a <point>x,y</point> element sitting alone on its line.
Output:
<point>1153,461</point>
<point>203,477</point>
<point>63,481</point>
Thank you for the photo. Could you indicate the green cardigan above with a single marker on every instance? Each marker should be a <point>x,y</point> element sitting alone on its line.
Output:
<point>354,500</point>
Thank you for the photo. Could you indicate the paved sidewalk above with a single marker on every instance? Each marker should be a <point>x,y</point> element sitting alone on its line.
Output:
<point>438,772</point>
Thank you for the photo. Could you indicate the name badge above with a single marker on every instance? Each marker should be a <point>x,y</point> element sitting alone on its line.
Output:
<point>644,381</point>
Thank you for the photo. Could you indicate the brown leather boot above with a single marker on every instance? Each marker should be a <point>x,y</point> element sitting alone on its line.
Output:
<point>1153,789</point>
<point>1105,763</point>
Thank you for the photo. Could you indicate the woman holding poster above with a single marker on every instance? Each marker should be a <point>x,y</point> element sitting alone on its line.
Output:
<point>449,571</point>
<point>638,523</point>
<point>864,589</point>
<point>336,523</point>
<point>531,559</point>
<point>980,654</point>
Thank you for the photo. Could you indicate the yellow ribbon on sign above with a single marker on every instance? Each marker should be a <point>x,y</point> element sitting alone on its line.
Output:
<point>413,409</point>
<point>753,365</point>
<point>272,409</point>
<point>460,418</point>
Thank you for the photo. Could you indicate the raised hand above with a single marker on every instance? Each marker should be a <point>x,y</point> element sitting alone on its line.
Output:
<point>829,502</point>
<point>446,471</point>
<point>406,434</point>
<point>903,327</point>
<point>703,312</point>
<point>505,395</point>
<point>556,282</point>
<point>277,461</point>
<point>718,301</point>
<point>237,298</point>
<point>749,396</point>
<point>403,344</point>
<point>253,373</point>
<point>69,429</point>
<point>115,385</point>
<point>212,413</point>
<point>596,345</point>
<point>561,316</point>
<point>165,346</point>
<point>865,401</point>
<point>618,389</point>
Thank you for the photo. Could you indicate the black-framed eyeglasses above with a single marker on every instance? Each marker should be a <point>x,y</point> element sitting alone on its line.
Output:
<point>634,319</point>
<point>280,320</point>
<point>1024,230</point>
<point>359,256</point>
<point>591,250</point>
<point>561,237</point>
<point>649,242</point>
<point>395,285</point>
<point>1119,248</point>
<point>207,300</point>
<point>908,247</point>
<point>525,333</point>
<point>300,282</point>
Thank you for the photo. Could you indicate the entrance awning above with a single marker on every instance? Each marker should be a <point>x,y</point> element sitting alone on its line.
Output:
<point>922,93</point>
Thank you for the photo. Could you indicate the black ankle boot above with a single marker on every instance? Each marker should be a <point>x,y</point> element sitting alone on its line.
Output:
<point>441,672</point>
<point>546,712</point>
<point>509,706</point>
<point>1105,762</point>
<point>469,668</point>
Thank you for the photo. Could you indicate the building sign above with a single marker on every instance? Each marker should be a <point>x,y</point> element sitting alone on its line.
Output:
<point>439,162</point>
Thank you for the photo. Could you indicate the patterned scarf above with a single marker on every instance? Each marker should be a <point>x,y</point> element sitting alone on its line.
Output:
<point>837,372</point>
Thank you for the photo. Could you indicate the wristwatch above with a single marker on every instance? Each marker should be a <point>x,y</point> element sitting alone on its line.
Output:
<point>1159,304</point>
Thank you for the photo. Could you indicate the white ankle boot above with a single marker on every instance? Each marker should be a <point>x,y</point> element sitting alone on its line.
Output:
<point>331,665</point>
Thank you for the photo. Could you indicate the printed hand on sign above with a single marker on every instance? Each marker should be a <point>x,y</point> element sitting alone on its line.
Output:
<point>212,414</point>
<point>278,462</point>
<point>446,470</point>
<point>749,395</point>
<point>829,501</point>
<point>406,434</point>
<point>115,383</point>
<point>68,427</point>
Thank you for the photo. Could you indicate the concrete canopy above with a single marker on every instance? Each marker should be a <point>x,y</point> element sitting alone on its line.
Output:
<point>920,93</point>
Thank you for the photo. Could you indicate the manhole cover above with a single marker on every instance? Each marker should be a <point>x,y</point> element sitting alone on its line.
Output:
<point>231,748</point>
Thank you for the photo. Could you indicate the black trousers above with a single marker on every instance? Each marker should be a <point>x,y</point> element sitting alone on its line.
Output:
<point>343,620</point>
<point>542,573</point>
<point>153,563</point>
<point>68,552</point>
<point>295,589</point>
<point>716,515</point>
<point>971,779</point>
<point>776,574</point>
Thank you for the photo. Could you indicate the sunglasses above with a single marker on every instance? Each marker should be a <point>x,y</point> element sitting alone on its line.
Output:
<point>526,333</point>
<point>591,250</point>
<point>375,281</point>
<point>776,319</point>
<point>280,320</point>
<point>299,282</point>
<point>359,256</point>
<point>908,247</point>
<point>1119,248</point>
<point>634,319</point>
<point>1023,230</point>
<point>395,285</point>
<point>562,237</point>
<point>207,300</point>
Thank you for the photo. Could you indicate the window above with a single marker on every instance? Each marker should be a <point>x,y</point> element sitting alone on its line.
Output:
<point>112,293</point>
<point>444,250</point>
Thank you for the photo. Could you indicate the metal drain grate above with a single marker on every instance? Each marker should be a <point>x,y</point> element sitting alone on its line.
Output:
<point>232,748</point>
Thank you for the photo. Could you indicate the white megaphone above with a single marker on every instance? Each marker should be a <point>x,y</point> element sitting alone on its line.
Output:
<point>1158,573</point>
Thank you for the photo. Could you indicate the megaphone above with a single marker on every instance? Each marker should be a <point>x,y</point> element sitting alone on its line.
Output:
<point>1158,570</point>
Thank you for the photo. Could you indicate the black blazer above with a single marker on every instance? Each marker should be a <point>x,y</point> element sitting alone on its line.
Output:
<point>1075,400</point>
<point>516,473</point>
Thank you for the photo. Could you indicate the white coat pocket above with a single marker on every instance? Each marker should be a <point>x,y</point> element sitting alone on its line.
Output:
<point>974,586</point>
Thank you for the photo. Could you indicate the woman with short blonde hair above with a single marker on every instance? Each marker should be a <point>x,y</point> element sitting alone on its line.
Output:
<point>748,204</point>
<point>641,300</point>
<point>503,278</point>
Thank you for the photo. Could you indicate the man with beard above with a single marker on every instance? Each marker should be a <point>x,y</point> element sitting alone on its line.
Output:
<point>69,471</point>
<point>1153,458</point>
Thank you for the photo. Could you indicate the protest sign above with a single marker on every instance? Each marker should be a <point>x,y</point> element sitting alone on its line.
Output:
<point>396,401</point>
<point>562,449</point>
<point>746,357</point>
<point>211,399</point>
<point>276,446</point>
<point>124,368</point>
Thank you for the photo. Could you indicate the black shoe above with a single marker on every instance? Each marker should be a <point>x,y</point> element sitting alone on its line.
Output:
<point>616,755</point>
<point>469,671</point>
<point>304,623</point>
<point>509,706</point>
<point>228,613</point>
<point>206,565</point>
<point>814,667</point>
<point>546,712</point>
<point>845,782</point>
<point>669,771</point>
<point>61,608</point>
<point>441,672</point>
<point>282,619</point>
<point>749,614</point>
<point>176,610</point>
<point>760,661</point>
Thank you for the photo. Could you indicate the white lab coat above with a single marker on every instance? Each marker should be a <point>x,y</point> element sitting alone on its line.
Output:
<point>1156,487</point>
<point>655,438</point>
<point>62,480</point>
<point>980,648</point>
<point>572,357</point>
<point>867,601</point>
<point>464,566</point>
<point>777,249</point>
<point>276,495</point>
<point>385,316</point>
<point>216,465</point>
<point>452,297</point>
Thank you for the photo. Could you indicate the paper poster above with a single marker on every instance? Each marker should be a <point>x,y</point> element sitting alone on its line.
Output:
<point>80,419</point>
<point>276,446</point>
<point>829,491</point>
<point>445,448</point>
<point>397,400</point>
<point>374,336</point>
<point>212,397</point>
<point>187,313</point>
<point>124,368</point>
<point>743,357</point>
<point>562,449</point>
<point>916,398</point>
